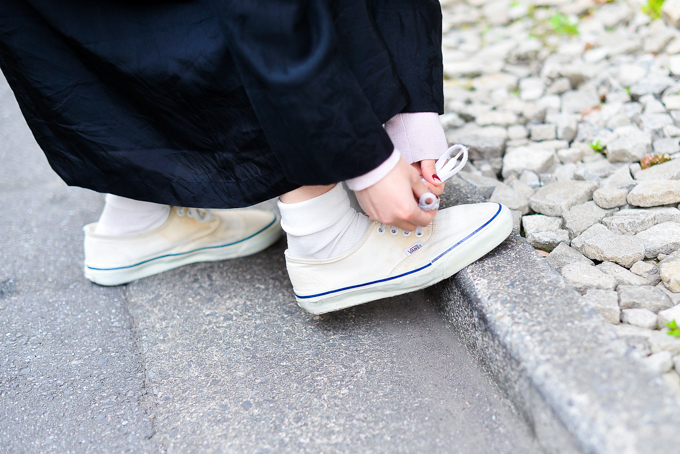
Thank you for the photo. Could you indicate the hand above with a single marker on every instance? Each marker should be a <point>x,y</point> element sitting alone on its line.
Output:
<point>427,170</point>
<point>393,200</point>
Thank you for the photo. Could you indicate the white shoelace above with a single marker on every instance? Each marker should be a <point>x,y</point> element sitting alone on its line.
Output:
<point>446,166</point>
<point>199,214</point>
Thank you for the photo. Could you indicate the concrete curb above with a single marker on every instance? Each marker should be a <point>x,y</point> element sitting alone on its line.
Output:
<point>577,386</point>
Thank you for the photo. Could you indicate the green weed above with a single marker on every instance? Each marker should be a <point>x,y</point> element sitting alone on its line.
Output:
<point>597,146</point>
<point>563,26</point>
<point>675,331</point>
<point>653,8</point>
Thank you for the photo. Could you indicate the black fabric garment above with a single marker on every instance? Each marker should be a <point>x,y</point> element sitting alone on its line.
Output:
<point>218,104</point>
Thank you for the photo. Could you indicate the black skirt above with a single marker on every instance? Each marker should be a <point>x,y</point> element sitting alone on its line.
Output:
<point>218,104</point>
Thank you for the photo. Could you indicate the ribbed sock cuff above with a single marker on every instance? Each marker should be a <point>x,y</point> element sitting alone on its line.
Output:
<point>314,215</point>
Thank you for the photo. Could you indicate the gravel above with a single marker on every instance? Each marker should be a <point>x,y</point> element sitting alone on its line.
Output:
<point>574,115</point>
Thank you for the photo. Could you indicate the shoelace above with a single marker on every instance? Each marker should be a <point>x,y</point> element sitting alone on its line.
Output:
<point>446,166</point>
<point>394,231</point>
<point>199,214</point>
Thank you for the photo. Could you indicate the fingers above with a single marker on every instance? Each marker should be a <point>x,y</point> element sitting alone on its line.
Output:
<point>429,172</point>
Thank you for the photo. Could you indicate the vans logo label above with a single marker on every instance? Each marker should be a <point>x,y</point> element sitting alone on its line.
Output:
<point>414,248</point>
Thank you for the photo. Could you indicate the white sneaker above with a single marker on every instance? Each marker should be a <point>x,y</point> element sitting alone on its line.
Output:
<point>389,261</point>
<point>189,235</point>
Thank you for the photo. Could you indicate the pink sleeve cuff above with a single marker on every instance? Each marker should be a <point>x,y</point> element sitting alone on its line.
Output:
<point>417,136</point>
<point>369,179</point>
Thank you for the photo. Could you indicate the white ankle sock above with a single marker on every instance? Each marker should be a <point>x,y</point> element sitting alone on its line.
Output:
<point>123,216</point>
<point>323,227</point>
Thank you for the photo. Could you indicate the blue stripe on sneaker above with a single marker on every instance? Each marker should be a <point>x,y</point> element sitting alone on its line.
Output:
<point>188,252</point>
<point>500,207</point>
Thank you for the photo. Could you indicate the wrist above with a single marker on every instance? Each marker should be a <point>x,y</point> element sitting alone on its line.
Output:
<point>370,178</point>
<point>417,135</point>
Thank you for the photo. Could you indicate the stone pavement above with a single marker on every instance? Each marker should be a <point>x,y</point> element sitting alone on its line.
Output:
<point>212,357</point>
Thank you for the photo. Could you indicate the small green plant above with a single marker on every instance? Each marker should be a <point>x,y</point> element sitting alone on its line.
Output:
<point>653,8</point>
<point>675,331</point>
<point>597,146</point>
<point>562,25</point>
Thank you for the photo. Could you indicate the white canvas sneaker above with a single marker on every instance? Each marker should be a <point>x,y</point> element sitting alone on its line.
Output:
<point>189,235</point>
<point>389,261</point>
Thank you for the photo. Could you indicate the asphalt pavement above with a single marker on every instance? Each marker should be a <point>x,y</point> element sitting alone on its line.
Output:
<point>212,357</point>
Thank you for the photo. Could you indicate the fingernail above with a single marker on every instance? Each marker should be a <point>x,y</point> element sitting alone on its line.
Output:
<point>435,177</point>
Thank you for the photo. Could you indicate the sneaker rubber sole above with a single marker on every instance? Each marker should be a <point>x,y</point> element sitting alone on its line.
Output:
<point>455,258</point>
<point>253,244</point>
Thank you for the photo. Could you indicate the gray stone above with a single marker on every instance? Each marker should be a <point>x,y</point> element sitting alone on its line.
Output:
<point>610,197</point>
<point>666,145</point>
<point>531,179</point>
<point>630,145</point>
<point>571,155</point>
<point>629,222</point>
<point>485,185</point>
<point>497,118</point>
<point>633,221</point>
<point>575,101</point>
<point>654,124</point>
<point>540,223</point>
<point>618,121</point>
<point>492,82</point>
<point>525,158</point>
<point>671,131</point>
<point>557,198</point>
<point>606,303</point>
<point>622,275</point>
<point>517,132</point>
<point>565,172</point>
<point>580,217</point>
<point>567,125</point>
<point>654,107</point>
<point>543,132</point>
<point>563,255</point>
<point>553,145</point>
<point>660,342</point>
<point>628,75</point>
<point>662,238</point>
<point>559,86</point>
<point>669,170</point>
<point>641,318</point>
<point>668,315</point>
<point>531,88</point>
<point>672,380</point>
<point>643,297</point>
<point>547,241</point>
<point>652,85</point>
<point>671,12</point>
<point>514,200</point>
<point>648,271</point>
<point>596,169</point>
<point>660,362</point>
<point>620,179</point>
<point>672,101</point>
<point>584,277</point>
<point>673,296</point>
<point>597,229</point>
<point>669,272</point>
<point>481,147</point>
<point>649,193</point>
<point>622,249</point>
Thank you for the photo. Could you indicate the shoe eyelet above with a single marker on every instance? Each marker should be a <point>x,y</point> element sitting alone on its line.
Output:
<point>394,230</point>
<point>381,229</point>
<point>406,233</point>
<point>419,232</point>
